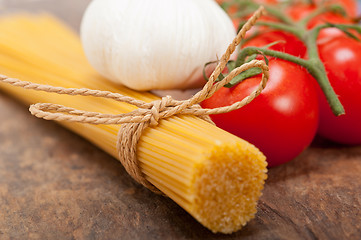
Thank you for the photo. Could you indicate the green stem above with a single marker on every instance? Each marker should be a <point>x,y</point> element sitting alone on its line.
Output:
<point>334,8</point>
<point>314,66</point>
<point>317,70</point>
<point>345,26</point>
<point>275,12</point>
<point>279,15</point>
<point>298,32</point>
<point>311,44</point>
<point>248,51</point>
<point>310,16</point>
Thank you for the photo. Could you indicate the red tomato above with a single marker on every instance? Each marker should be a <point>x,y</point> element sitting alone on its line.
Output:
<point>350,6</point>
<point>327,33</point>
<point>287,42</point>
<point>299,11</point>
<point>342,58</point>
<point>281,121</point>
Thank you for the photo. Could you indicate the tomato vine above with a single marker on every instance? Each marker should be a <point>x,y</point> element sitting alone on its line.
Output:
<point>313,64</point>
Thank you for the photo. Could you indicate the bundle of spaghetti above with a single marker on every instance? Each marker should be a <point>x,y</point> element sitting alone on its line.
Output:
<point>215,176</point>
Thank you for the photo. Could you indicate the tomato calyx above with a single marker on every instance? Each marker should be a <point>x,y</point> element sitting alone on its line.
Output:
<point>233,64</point>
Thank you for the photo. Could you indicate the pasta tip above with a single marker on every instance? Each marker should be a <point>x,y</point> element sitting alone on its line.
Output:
<point>228,186</point>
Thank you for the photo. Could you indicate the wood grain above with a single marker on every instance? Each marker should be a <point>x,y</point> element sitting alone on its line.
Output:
<point>56,185</point>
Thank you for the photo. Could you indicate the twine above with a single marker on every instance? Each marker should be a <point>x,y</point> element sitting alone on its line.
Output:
<point>148,114</point>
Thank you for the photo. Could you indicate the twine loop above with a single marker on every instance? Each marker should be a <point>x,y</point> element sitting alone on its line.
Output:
<point>148,114</point>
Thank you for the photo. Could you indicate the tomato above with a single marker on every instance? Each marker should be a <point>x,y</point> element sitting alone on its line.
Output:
<point>327,33</point>
<point>342,57</point>
<point>299,11</point>
<point>350,6</point>
<point>281,121</point>
<point>287,42</point>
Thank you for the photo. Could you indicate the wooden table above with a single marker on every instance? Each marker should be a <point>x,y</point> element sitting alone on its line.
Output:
<point>56,185</point>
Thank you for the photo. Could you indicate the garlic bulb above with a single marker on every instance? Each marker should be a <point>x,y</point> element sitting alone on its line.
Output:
<point>155,44</point>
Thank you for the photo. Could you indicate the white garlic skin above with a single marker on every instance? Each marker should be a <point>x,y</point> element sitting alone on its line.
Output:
<point>155,44</point>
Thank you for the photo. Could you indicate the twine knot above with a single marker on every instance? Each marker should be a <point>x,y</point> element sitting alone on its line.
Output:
<point>147,115</point>
<point>159,106</point>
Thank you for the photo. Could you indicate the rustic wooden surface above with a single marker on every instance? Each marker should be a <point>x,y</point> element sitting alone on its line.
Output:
<point>55,185</point>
